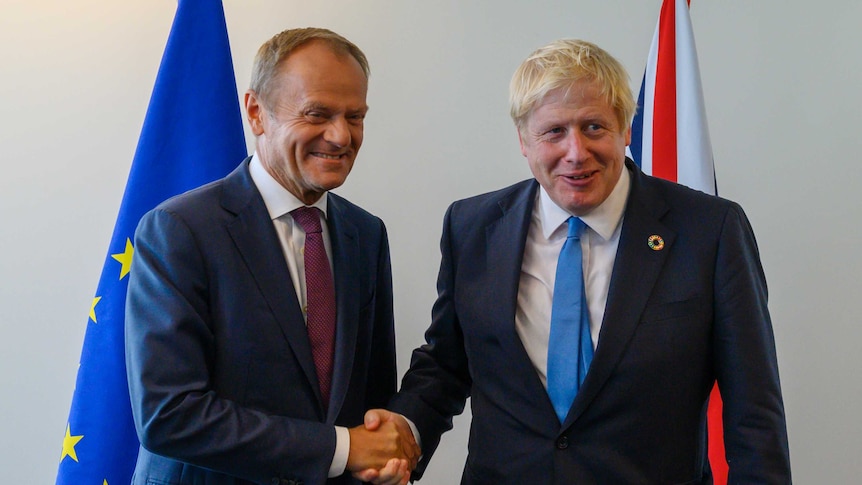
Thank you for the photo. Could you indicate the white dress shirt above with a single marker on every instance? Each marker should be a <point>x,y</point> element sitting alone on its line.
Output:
<point>545,239</point>
<point>279,202</point>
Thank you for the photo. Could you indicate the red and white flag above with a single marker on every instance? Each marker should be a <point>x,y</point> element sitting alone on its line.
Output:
<point>670,140</point>
<point>670,137</point>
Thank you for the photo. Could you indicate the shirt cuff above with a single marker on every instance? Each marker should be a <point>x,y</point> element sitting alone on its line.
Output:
<point>342,450</point>
<point>414,430</point>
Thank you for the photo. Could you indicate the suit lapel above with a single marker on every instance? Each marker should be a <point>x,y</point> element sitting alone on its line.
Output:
<point>345,258</point>
<point>257,242</point>
<point>636,270</point>
<point>506,239</point>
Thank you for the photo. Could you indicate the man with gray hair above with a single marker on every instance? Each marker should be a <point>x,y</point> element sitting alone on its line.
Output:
<point>259,321</point>
<point>588,311</point>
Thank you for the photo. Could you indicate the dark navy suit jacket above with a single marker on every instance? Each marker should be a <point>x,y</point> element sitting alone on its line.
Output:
<point>676,320</point>
<point>222,380</point>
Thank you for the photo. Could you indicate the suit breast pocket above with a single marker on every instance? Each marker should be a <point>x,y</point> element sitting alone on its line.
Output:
<point>686,309</point>
<point>671,332</point>
<point>674,334</point>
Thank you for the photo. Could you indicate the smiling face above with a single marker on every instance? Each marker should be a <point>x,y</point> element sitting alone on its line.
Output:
<point>575,146</point>
<point>310,127</point>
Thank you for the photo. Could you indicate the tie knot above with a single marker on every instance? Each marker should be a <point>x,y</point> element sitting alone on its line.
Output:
<point>575,226</point>
<point>308,218</point>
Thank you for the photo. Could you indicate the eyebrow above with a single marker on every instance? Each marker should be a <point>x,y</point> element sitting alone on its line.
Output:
<point>316,105</point>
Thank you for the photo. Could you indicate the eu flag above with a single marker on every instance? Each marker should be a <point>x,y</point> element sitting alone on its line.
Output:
<point>192,134</point>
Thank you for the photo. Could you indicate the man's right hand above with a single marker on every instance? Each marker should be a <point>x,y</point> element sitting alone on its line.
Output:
<point>383,450</point>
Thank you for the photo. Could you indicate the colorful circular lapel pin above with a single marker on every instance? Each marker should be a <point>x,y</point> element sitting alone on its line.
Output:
<point>655,242</point>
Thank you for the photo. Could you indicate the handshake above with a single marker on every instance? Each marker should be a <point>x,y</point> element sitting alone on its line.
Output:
<point>383,450</point>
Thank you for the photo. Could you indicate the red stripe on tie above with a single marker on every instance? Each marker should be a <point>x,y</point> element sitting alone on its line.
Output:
<point>664,106</point>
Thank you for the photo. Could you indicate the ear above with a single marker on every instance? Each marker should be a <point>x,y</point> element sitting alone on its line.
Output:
<point>628,135</point>
<point>521,142</point>
<point>254,112</point>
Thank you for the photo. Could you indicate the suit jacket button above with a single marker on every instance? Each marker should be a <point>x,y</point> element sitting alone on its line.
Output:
<point>562,442</point>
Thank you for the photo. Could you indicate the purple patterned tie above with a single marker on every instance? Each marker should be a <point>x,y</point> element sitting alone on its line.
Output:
<point>320,302</point>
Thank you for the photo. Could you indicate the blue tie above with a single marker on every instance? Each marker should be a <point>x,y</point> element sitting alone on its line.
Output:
<point>570,349</point>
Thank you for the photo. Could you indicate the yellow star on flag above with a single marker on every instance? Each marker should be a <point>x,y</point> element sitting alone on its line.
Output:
<point>105,482</point>
<point>125,258</point>
<point>69,443</point>
<point>93,309</point>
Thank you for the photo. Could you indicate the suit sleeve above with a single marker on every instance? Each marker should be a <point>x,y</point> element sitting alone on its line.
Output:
<point>745,361</point>
<point>437,385</point>
<point>170,358</point>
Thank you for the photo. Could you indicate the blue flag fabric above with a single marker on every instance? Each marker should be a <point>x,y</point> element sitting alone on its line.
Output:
<point>192,134</point>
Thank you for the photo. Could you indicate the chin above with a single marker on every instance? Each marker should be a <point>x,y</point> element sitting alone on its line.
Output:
<point>580,208</point>
<point>331,183</point>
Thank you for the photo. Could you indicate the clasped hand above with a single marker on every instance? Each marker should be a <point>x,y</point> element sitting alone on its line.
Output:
<point>383,450</point>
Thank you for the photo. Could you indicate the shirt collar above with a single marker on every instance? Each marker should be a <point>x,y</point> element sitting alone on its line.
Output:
<point>278,200</point>
<point>604,219</point>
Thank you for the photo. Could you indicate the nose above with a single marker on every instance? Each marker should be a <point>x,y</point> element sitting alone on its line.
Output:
<point>576,150</point>
<point>338,132</point>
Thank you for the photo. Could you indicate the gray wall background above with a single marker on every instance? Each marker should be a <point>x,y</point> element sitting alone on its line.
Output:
<point>781,80</point>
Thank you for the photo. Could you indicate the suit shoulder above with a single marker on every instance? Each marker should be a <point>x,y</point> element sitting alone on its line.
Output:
<point>349,207</point>
<point>354,212</point>
<point>199,202</point>
<point>198,206</point>
<point>194,198</point>
<point>693,211</point>
<point>679,195</point>
<point>491,201</point>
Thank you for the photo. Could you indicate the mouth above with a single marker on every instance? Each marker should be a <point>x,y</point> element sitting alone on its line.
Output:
<point>329,156</point>
<point>578,178</point>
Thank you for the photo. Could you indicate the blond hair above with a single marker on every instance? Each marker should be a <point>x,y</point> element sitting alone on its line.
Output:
<point>562,63</point>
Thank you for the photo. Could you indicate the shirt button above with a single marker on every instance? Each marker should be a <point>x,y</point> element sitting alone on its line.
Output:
<point>562,443</point>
